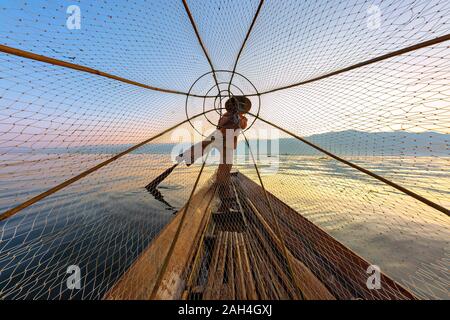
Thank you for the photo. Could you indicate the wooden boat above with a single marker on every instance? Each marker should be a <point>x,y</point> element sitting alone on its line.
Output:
<point>240,255</point>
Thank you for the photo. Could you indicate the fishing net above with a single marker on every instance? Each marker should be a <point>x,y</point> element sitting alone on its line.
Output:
<point>342,170</point>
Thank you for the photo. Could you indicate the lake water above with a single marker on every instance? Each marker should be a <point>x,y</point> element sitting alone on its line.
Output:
<point>104,221</point>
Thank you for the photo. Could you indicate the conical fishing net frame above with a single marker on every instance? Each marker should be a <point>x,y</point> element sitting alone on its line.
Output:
<point>356,92</point>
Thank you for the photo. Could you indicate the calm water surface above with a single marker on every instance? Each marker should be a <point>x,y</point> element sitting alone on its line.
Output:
<point>103,222</point>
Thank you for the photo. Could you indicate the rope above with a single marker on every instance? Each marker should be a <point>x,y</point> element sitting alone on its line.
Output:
<point>367,62</point>
<point>363,170</point>
<point>45,59</point>
<point>277,226</point>
<point>194,26</point>
<point>68,182</point>
<point>244,42</point>
<point>177,234</point>
<point>56,62</point>
<point>202,237</point>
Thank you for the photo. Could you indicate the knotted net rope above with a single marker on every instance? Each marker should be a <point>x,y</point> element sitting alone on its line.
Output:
<point>90,115</point>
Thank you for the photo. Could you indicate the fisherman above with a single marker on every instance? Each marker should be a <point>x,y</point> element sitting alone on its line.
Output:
<point>225,140</point>
<point>230,124</point>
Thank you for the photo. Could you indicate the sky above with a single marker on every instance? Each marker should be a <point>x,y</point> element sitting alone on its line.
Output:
<point>153,42</point>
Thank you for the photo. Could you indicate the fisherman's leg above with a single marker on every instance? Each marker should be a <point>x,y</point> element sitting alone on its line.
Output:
<point>226,163</point>
<point>225,190</point>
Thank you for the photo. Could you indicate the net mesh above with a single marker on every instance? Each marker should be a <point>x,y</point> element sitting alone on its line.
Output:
<point>289,222</point>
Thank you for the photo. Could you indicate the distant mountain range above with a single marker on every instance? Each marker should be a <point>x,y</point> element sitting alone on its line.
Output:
<point>372,143</point>
<point>343,142</point>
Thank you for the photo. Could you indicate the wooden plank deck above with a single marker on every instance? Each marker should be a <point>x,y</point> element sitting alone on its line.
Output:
<point>139,280</point>
<point>246,262</point>
<point>340,270</point>
<point>238,255</point>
